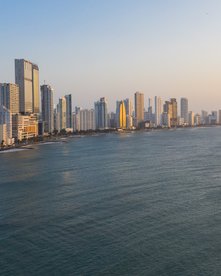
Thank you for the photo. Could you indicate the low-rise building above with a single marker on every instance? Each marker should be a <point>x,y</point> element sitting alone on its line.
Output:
<point>24,126</point>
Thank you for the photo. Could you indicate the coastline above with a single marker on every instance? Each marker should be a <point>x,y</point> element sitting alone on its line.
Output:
<point>46,140</point>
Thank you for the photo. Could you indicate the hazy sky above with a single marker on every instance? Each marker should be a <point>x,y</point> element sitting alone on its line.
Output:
<point>112,48</point>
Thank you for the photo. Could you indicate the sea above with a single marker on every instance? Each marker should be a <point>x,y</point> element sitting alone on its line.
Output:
<point>139,203</point>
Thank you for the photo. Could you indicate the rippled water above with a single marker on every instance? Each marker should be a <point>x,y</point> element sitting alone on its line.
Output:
<point>146,203</point>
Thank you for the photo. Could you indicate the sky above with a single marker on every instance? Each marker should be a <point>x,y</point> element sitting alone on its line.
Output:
<point>113,48</point>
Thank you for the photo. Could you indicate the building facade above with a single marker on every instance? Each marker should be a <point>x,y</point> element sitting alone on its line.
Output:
<point>9,96</point>
<point>24,126</point>
<point>129,113</point>
<point>158,111</point>
<point>121,115</point>
<point>184,111</point>
<point>27,78</point>
<point>139,108</point>
<point>47,107</point>
<point>35,89</point>
<point>61,114</point>
<point>191,118</point>
<point>101,116</point>
<point>5,126</point>
<point>69,121</point>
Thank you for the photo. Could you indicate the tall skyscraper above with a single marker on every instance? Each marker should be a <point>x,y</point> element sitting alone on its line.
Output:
<point>101,114</point>
<point>27,78</point>
<point>158,110</point>
<point>121,115</point>
<point>62,113</point>
<point>129,113</point>
<point>69,121</point>
<point>174,112</point>
<point>76,119</point>
<point>35,89</point>
<point>139,108</point>
<point>184,110</point>
<point>47,108</point>
<point>168,113</point>
<point>149,116</point>
<point>9,96</point>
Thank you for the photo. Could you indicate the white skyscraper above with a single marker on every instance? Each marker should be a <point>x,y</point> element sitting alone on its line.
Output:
<point>184,113</point>
<point>158,110</point>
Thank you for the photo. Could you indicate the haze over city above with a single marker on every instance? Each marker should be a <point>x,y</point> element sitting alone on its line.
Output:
<point>114,48</point>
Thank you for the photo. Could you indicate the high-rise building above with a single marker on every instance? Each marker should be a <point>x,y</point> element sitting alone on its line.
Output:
<point>101,114</point>
<point>139,108</point>
<point>121,115</point>
<point>76,119</point>
<point>170,107</point>
<point>149,116</point>
<point>150,103</point>
<point>69,122</point>
<point>191,118</point>
<point>213,118</point>
<point>47,107</point>
<point>184,110</point>
<point>83,119</point>
<point>158,110</point>
<point>197,120</point>
<point>112,120</point>
<point>27,78</point>
<point>174,112</point>
<point>5,126</point>
<point>9,96</point>
<point>61,114</point>
<point>129,113</point>
<point>204,117</point>
<point>87,119</point>
<point>166,119</point>
<point>167,108</point>
<point>55,115</point>
<point>35,89</point>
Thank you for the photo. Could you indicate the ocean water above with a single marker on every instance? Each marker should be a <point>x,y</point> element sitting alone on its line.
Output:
<point>144,203</point>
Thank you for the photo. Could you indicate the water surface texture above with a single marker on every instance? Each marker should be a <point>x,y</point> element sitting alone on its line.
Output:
<point>145,203</point>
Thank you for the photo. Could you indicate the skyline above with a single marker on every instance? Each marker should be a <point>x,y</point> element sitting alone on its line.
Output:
<point>114,49</point>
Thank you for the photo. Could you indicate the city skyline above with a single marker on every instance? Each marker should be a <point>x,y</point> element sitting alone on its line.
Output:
<point>114,48</point>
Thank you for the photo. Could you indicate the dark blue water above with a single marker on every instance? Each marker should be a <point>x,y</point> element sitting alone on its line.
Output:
<point>117,204</point>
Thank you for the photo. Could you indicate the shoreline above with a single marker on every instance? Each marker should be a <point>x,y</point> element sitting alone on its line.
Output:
<point>76,135</point>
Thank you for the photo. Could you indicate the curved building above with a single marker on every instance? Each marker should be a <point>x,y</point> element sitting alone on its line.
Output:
<point>122,115</point>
